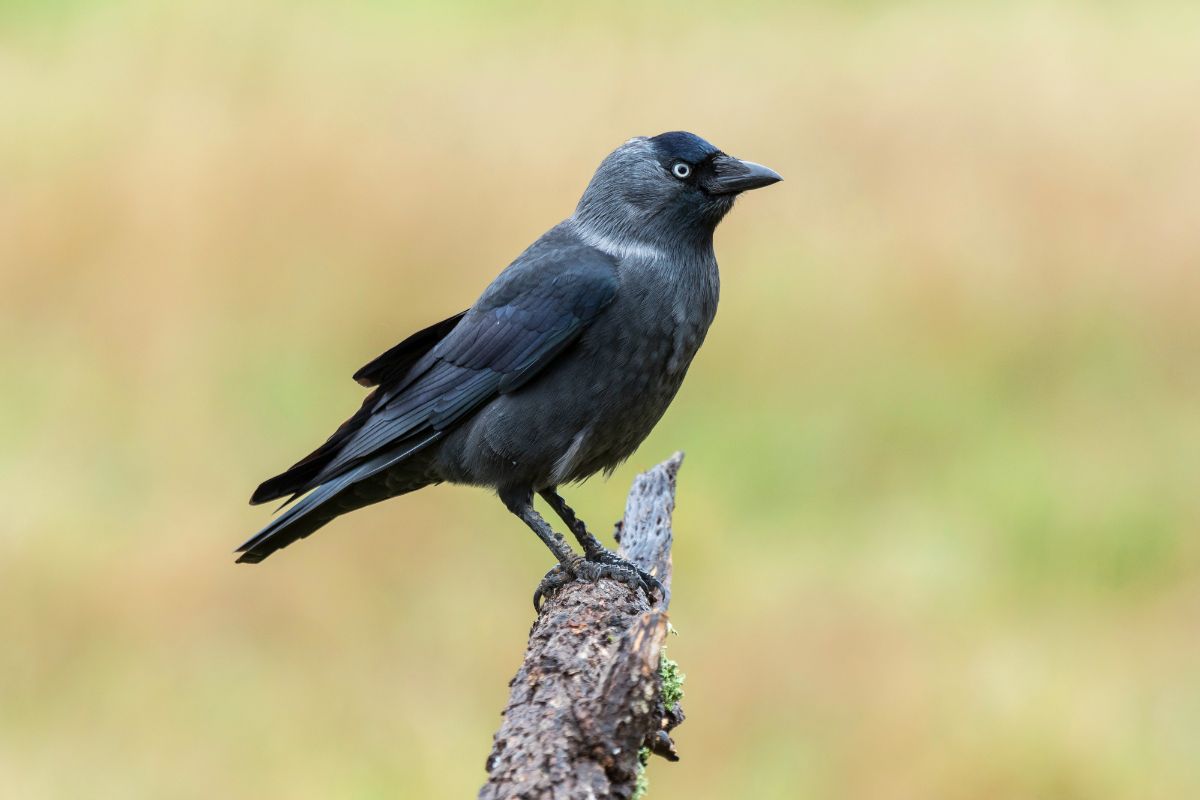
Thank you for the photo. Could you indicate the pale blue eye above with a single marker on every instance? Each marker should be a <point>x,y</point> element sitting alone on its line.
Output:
<point>681,170</point>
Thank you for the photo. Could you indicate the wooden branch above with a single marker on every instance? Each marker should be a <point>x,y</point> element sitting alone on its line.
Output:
<point>589,695</point>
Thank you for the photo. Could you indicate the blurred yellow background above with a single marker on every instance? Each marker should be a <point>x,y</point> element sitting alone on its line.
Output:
<point>937,534</point>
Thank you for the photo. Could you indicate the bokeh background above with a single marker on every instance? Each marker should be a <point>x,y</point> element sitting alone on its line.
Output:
<point>937,533</point>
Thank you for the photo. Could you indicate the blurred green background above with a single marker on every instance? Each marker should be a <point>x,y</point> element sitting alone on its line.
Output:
<point>937,534</point>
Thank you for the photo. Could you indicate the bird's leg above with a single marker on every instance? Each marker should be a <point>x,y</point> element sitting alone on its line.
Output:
<point>598,562</point>
<point>590,544</point>
<point>603,562</point>
<point>521,504</point>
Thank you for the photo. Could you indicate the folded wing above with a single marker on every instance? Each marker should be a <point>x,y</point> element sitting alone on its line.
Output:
<point>534,310</point>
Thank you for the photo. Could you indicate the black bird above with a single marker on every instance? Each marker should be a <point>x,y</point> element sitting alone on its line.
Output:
<point>559,371</point>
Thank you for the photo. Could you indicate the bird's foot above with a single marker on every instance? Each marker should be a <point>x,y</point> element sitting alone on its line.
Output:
<point>593,567</point>
<point>554,580</point>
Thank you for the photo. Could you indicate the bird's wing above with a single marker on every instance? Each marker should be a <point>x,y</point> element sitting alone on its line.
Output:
<point>387,369</point>
<point>396,362</point>
<point>537,307</point>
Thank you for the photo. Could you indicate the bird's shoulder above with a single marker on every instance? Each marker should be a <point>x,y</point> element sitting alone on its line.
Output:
<point>534,308</point>
<point>559,269</point>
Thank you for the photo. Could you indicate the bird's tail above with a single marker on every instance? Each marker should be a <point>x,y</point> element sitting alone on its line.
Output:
<point>359,487</point>
<point>304,517</point>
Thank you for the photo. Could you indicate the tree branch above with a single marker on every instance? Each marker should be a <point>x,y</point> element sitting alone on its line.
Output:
<point>589,695</point>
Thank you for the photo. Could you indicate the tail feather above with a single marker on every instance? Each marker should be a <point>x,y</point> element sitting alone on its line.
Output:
<point>298,478</point>
<point>298,521</point>
<point>386,371</point>
<point>323,504</point>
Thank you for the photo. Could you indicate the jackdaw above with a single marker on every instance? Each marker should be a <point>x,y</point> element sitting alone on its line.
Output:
<point>559,371</point>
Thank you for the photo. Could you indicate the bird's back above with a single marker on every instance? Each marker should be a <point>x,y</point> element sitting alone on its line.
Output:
<point>593,406</point>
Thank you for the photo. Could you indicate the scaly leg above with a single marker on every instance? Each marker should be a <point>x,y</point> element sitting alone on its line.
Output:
<point>591,545</point>
<point>612,565</point>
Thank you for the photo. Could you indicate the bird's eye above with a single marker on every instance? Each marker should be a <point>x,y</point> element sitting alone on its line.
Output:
<point>681,170</point>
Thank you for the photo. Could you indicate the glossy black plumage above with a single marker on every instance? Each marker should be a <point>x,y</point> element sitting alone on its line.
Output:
<point>559,369</point>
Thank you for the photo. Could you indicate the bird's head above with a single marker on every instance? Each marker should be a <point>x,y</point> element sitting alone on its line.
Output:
<point>671,185</point>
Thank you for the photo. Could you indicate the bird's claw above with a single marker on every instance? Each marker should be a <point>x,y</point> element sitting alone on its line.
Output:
<point>607,564</point>
<point>554,580</point>
<point>593,567</point>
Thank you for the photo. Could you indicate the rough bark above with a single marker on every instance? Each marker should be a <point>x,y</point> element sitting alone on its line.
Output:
<point>588,695</point>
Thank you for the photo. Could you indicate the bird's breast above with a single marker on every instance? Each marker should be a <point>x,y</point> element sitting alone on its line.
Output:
<point>591,408</point>
<point>634,360</point>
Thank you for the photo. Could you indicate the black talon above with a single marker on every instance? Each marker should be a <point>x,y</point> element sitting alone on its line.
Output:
<point>620,570</point>
<point>596,563</point>
<point>604,564</point>
<point>554,580</point>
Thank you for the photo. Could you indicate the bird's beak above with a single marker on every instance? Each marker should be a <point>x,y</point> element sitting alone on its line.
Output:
<point>732,175</point>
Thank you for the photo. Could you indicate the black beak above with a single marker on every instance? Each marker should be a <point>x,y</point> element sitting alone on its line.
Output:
<point>732,175</point>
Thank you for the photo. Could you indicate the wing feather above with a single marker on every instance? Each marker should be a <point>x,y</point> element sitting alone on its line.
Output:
<point>537,308</point>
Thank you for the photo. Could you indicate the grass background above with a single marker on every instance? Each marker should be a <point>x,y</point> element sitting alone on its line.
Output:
<point>937,526</point>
